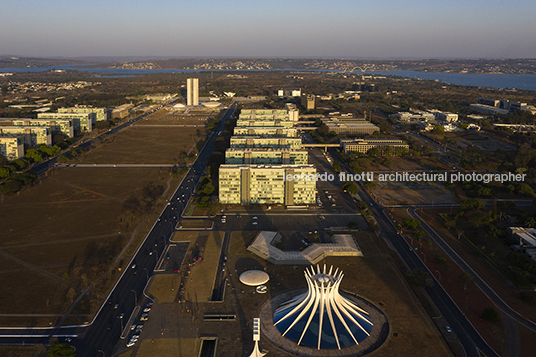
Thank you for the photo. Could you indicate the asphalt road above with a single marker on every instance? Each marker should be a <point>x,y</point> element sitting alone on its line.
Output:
<point>103,334</point>
<point>98,337</point>
<point>470,339</point>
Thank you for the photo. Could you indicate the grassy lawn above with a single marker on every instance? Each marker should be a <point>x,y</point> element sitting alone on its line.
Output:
<point>80,221</point>
<point>168,347</point>
<point>195,223</point>
<point>139,145</point>
<point>164,287</point>
<point>22,351</point>
<point>199,284</point>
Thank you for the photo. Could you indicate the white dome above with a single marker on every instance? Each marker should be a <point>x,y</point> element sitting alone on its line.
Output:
<point>211,104</point>
<point>179,105</point>
<point>254,278</point>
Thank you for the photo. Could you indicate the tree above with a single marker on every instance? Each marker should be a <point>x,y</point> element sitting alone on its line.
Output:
<point>3,160</point>
<point>10,186</point>
<point>4,172</point>
<point>350,187</point>
<point>353,225</point>
<point>490,314</point>
<point>465,278</point>
<point>34,155</point>
<point>525,190</point>
<point>208,189</point>
<point>336,167</point>
<point>438,129</point>
<point>411,223</point>
<point>61,350</point>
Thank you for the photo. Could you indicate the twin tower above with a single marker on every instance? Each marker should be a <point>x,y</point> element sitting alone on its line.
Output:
<point>192,91</point>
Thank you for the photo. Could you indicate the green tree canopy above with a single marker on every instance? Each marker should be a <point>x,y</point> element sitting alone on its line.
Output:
<point>61,350</point>
<point>336,167</point>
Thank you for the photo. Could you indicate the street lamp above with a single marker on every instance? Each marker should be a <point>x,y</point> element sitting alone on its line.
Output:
<point>135,297</point>
<point>439,273</point>
<point>424,255</point>
<point>121,318</point>
<point>101,352</point>
<point>147,271</point>
<point>156,254</point>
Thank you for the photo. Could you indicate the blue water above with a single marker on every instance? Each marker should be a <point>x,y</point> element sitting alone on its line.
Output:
<point>519,81</point>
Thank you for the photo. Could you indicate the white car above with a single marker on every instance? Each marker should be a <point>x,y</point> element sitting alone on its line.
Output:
<point>254,223</point>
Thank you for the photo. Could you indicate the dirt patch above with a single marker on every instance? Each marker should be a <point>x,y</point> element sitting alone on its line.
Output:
<point>145,145</point>
<point>414,193</point>
<point>80,223</point>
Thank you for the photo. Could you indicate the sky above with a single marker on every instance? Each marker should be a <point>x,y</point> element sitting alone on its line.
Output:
<point>379,29</point>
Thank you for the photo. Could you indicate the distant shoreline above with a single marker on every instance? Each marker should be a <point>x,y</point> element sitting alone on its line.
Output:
<point>500,81</point>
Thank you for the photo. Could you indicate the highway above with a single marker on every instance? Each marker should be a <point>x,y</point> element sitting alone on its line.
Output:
<point>470,339</point>
<point>98,337</point>
<point>103,333</point>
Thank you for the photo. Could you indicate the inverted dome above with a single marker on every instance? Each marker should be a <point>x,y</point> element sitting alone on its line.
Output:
<point>254,277</point>
<point>321,318</point>
<point>211,104</point>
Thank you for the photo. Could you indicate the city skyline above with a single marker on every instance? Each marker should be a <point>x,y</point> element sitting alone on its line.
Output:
<point>340,29</point>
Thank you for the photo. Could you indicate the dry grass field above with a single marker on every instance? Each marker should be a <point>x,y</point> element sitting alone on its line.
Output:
<point>168,347</point>
<point>144,145</point>
<point>164,287</point>
<point>199,285</point>
<point>64,234</point>
<point>392,193</point>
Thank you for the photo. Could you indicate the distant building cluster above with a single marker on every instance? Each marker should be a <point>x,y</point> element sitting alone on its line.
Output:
<point>385,146</point>
<point>347,124</point>
<point>501,106</point>
<point>20,134</point>
<point>28,87</point>
<point>527,240</point>
<point>265,150</point>
<point>428,119</point>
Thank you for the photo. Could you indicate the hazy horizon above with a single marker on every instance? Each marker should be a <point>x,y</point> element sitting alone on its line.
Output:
<point>339,29</point>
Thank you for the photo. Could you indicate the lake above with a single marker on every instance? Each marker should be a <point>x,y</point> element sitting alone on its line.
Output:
<point>519,81</point>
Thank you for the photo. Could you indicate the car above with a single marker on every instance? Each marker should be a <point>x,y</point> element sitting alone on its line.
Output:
<point>109,327</point>
<point>147,309</point>
<point>122,315</point>
<point>255,217</point>
<point>133,327</point>
<point>139,329</point>
<point>144,317</point>
<point>116,306</point>
<point>131,343</point>
<point>254,223</point>
<point>133,266</point>
<point>448,329</point>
